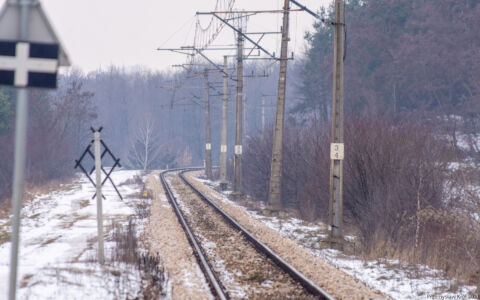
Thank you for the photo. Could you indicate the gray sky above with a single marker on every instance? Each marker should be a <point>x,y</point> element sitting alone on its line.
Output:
<point>100,33</point>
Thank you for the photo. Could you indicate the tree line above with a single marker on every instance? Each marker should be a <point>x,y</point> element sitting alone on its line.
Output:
<point>151,119</point>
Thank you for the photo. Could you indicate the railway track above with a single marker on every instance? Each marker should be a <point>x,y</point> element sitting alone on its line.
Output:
<point>235,251</point>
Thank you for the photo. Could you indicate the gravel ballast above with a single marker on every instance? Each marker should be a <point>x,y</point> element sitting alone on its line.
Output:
<point>245,273</point>
<point>333,280</point>
<point>165,238</point>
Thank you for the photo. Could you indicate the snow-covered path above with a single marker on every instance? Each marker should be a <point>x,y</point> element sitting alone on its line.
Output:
<point>58,244</point>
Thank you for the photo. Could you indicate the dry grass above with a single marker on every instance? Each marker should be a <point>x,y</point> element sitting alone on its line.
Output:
<point>84,203</point>
<point>128,248</point>
<point>5,208</point>
<point>50,241</point>
<point>136,180</point>
<point>4,236</point>
<point>127,251</point>
<point>31,191</point>
<point>77,218</point>
<point>25,280</point>
<point>448,241</point>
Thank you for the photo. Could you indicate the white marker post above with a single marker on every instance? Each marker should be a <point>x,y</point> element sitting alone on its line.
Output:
<point>19,160</point>
<point>98,173</point>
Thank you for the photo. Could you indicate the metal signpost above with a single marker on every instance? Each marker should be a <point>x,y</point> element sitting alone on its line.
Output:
<point>30,54</point>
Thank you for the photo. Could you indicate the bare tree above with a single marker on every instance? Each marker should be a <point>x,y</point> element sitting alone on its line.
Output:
<point>144,150</point>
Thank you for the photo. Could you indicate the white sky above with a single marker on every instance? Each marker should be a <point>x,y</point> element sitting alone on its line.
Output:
<point>101,33</point>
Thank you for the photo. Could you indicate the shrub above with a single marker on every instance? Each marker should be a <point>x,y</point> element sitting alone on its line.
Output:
<point>397,181</point>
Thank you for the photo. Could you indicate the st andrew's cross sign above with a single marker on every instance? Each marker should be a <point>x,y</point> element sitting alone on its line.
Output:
<point>28,64</point>
<point>32,60</point>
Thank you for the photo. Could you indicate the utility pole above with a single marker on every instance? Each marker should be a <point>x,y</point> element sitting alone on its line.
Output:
<point>223,142</point>
<point>237,182</point>
<point>275,188</point>
<point>337,146</point>
<point>208,140</point>
<point>98,174</point>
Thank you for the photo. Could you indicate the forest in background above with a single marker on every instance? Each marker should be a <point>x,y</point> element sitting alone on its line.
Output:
<point>412,85</point>
<point>163,113</point>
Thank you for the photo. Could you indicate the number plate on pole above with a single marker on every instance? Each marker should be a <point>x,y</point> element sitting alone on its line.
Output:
<point>337,151</point>
<point>238,149</point>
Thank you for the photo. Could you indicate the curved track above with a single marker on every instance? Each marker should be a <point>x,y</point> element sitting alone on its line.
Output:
<point>216,286</point>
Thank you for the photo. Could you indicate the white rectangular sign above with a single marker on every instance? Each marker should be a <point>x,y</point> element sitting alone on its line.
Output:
<point>238,149</point>
<point>337,151</point>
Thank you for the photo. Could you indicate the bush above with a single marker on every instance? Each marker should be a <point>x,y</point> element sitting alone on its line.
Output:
<point>396,196</point>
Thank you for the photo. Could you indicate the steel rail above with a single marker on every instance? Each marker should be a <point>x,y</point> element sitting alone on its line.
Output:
<point>215,284</point>
<point>261,247</point>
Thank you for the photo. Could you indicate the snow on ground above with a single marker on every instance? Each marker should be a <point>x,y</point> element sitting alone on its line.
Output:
<point>392,277</point>
<point>58,244</point>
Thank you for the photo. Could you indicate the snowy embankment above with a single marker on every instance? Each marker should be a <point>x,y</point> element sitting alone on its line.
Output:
<point>392,277</point>
<point>58,248</point>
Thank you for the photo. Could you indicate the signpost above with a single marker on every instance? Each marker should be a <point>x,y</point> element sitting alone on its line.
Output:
<point>30,54</point>
<point>97,144</point>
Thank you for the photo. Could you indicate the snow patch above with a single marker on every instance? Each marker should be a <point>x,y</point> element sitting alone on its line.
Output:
<point>392,277</point>
<point>58,244</point>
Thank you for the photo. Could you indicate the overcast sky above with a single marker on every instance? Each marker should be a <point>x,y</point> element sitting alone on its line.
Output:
<point>100,33</point>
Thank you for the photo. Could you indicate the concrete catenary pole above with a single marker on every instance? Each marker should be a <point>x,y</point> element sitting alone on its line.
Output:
<point>223,142</point>
<point>245,111</point>
<point>275,188</point>
<point>208,140</point>
<point>237,181</point>
<point>98,182</point>
<point>263,114</point>
<point>337,151</point>
<point>19,159</point>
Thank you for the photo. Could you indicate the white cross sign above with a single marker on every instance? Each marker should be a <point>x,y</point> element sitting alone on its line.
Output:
<point>22,64</point>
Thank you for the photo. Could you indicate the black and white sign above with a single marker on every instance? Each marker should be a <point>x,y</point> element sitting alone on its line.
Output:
<point>28,64</point>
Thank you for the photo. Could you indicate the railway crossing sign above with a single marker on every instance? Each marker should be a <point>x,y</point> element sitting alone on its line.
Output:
<point>28,64</point>
<point>31,62</point>
<point>106,150</point>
